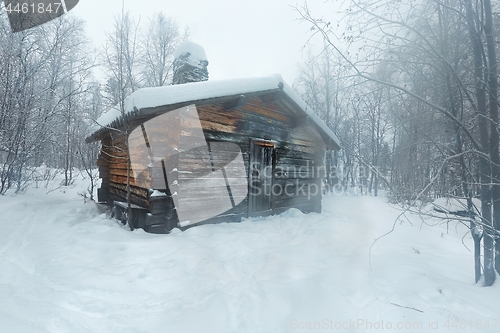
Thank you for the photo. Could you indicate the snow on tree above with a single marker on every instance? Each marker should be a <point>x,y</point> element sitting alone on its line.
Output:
<point>190,64</point>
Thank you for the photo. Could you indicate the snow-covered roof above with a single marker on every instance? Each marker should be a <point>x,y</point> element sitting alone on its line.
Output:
<point>145,99</point>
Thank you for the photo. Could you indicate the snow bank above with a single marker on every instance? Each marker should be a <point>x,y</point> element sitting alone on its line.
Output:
<point>66,267</point>
<point>454,205</point>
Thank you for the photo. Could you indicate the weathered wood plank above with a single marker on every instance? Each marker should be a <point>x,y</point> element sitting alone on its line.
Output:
<point>120,172</point>
<point>286,161</point>
<point>101,162</point>
<point>122,196</point>
<point>298,148</point>
<point>120,179</point>
<point>142,192</point>
<point>265,112</point>
<point>282,152</point>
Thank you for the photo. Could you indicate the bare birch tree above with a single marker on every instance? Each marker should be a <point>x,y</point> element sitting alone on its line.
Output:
<point>159,41</point>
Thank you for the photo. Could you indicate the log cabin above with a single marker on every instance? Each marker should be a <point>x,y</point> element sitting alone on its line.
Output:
<point>212,151</point>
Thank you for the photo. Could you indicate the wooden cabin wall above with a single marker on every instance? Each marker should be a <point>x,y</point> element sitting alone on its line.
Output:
<point>298,147</point>
<point>299,170</point>
<point>112,162</point>
<point>113,169</point>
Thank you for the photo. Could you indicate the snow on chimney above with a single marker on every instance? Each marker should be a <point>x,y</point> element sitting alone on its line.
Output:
<point>190,64</point>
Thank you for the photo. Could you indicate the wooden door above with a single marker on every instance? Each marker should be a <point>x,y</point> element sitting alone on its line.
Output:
<point>262,158</point>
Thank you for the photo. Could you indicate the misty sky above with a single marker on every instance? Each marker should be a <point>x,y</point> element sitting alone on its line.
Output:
<point>241,38</point>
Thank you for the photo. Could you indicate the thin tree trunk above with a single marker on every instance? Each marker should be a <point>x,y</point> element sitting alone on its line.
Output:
<point>129,204</point>
<point>484,163</point>
<point>476,234</point>
<point>494,136</point>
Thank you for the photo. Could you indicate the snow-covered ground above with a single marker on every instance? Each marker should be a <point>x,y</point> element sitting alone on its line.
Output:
<point>65,267</point>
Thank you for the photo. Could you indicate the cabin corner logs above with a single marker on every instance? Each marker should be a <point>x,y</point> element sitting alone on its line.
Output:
<point>281,164</point>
